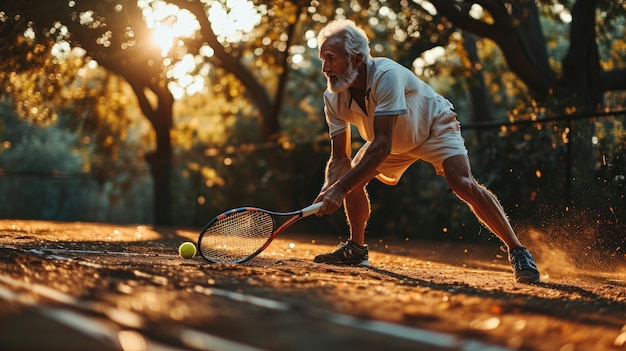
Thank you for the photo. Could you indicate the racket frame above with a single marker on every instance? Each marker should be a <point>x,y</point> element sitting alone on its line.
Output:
<point>295,216</point>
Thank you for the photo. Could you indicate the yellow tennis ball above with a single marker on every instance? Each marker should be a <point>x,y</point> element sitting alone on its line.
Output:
<point>187,250</point>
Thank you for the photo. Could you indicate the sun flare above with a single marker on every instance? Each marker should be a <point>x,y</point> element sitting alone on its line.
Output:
<point>170,25</point>
<point>234,20</point>
<point>231,20</point>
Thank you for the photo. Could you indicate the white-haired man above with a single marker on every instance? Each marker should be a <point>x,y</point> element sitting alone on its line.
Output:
<point>401,120</point>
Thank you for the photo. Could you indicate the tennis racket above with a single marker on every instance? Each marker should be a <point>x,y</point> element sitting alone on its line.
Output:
<point>240,234</point>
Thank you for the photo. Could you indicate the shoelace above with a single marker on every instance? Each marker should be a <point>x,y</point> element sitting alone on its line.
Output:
<point>347,250</point>
<point>521,259</point>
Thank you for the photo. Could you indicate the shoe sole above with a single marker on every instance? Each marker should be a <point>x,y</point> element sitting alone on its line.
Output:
<point>365,263</point>
<point>527,280</point>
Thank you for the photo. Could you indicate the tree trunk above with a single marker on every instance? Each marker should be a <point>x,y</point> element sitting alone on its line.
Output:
<point>161,119</point>
<point>258,93</point>
<point>581,65</point>
<point>477,86</point>
<point>523,44</point>
<point>161,170</point>
<point>160,162</point>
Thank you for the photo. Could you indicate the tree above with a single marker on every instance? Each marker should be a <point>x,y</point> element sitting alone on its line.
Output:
<point>516,28</point>
<point>115,35</point>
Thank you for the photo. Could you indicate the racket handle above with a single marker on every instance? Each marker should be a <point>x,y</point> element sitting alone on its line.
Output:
<point>309,210</point>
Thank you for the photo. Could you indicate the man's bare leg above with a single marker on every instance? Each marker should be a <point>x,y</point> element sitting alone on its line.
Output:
<point>489,211</point>
<point>357,209</point>
<point>482,202</point>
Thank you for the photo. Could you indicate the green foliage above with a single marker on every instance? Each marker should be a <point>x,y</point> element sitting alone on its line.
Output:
<point>24,142</point>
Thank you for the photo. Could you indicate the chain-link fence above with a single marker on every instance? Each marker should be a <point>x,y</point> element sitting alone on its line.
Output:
<point>565,172</point>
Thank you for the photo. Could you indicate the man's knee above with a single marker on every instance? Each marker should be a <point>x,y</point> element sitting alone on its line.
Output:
<point>463,185</point>
<point>459,176</point>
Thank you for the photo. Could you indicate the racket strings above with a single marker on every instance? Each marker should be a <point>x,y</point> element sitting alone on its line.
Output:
<point>236,236</point>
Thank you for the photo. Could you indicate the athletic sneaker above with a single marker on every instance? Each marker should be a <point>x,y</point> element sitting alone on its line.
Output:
<point>348,253</point>
<point>524,266</point>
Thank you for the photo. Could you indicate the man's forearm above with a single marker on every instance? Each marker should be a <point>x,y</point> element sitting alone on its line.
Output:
<point>336,168</point>
<point>364,170</point>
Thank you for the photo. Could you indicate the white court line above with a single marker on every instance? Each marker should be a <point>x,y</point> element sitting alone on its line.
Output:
<point>422,336</point>
<point>45,252</point>
<point>239,297</point>
<point>42,252</point>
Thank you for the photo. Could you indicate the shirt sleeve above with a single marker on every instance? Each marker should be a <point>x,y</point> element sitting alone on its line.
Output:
<point>336,126</point>
<point>388,94</point>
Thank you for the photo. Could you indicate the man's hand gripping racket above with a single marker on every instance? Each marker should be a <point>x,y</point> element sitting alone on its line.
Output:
<point>240,234</point>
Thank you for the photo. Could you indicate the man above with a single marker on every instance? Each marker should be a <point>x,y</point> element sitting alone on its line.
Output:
<point>401,120</point>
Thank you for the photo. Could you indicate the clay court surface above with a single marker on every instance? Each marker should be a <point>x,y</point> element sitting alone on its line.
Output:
<point>85,286</point>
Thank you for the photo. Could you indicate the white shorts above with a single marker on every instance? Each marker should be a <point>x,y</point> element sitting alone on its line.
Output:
<point>445,141</point>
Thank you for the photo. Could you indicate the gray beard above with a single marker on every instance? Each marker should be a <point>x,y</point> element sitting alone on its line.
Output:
<point>337,84</point>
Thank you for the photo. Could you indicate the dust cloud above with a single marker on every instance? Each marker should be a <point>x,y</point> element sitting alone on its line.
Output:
<point>576,245</point>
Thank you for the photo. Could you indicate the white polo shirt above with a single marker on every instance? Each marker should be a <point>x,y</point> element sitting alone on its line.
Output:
<point>392,89</point>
